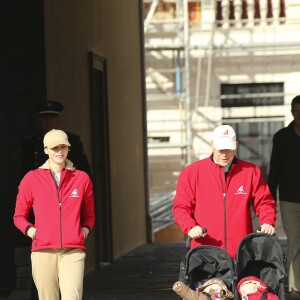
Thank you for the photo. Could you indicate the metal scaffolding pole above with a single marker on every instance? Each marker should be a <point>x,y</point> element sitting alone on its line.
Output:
<point>180,33</point>
<point>187,104</point>
<point>150,15</point>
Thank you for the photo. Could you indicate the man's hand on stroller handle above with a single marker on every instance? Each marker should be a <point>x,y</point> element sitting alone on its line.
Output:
<point>197,232</point>
<point>266,228</point>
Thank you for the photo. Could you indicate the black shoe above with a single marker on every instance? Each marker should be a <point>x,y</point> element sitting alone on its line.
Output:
<point>294,295</point>
<point>4,293</point>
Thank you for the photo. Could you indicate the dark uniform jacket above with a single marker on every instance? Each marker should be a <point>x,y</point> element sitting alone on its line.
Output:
<point>34,155</point>
<point>285,165</point>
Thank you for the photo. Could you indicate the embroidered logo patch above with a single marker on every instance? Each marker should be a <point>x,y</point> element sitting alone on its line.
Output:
<point>74,194</point>
<point>240,191</point>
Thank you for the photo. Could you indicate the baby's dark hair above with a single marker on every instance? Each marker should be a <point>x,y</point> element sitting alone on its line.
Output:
<point>296,100</point>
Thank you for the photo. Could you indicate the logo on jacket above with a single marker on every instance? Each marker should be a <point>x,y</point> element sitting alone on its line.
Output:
<point>240,191</point>
<point>74,194</point>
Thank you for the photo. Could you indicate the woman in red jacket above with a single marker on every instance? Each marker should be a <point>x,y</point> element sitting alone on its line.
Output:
<point>216,193</point>
<point>63,204</point>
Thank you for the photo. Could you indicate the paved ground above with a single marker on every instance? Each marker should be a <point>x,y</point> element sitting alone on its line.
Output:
<point>147,272</point>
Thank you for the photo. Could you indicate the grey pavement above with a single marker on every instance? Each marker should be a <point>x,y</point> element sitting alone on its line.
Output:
<point>147,272</point>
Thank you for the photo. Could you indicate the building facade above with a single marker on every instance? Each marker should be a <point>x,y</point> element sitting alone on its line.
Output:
<point>217,62</point>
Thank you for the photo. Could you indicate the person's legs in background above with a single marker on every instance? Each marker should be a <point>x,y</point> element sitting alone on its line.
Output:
<point>290,213</point>
<point>8,269</point>
<point>34,293</point>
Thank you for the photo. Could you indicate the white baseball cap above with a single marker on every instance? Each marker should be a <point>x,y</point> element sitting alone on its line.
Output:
<point>224,137</point>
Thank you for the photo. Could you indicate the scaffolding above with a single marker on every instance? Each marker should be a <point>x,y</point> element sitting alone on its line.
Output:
<point>195,47</point>
<point>171,79</point>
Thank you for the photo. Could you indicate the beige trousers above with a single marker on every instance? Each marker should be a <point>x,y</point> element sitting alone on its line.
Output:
<point>55,270</point>
<point>290,213</point>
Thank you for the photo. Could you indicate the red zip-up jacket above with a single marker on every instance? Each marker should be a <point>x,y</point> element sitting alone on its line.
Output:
<point>205,198</point>
<point>60,213</point>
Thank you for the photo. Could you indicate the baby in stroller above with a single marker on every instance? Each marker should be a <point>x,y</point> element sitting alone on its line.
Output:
<point>259,256</point>
<point>249,288</point>
<point>252,288</point>
<point>211,290</point>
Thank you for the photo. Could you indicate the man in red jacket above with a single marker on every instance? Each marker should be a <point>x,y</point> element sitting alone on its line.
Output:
<point>216,193</point>
<point>63,203</point>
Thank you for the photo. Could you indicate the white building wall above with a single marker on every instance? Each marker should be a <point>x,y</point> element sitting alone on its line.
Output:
<point>229,54</point>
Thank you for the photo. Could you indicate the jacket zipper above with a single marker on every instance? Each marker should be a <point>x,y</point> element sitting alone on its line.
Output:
<point>60,222</point>
<point>224,201</point>
<point>225,225</point>
<point>60,215</point>
<point>59,198</point>
<point>60,193</point>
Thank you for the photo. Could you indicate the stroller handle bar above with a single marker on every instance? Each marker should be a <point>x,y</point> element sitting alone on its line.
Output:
<point>204,230</point>
<point>189,239</point>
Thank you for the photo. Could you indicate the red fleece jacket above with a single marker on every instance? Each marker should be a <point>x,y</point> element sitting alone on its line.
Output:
<point>205,198</point>
<point>60,213</point>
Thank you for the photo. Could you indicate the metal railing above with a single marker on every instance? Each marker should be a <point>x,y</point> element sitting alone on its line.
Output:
<point>161,210</point>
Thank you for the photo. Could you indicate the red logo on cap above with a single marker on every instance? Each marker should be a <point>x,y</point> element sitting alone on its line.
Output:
<point>226,132</point>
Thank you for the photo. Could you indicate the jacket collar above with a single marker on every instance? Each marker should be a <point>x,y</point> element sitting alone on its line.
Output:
<point>69,165</point>
<point>234,161</point>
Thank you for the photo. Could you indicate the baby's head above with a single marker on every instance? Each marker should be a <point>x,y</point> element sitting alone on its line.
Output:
<point>216,290</point>
<point>216,286</point>
<point>250,285</point>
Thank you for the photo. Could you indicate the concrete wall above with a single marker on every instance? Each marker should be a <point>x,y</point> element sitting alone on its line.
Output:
<point>110,29</point>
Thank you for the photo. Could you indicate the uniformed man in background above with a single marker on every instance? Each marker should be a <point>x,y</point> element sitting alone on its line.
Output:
<point>32,146</point>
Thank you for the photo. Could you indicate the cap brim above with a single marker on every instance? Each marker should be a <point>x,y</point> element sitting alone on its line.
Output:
<point>48,112</point>
<point>229,145</point>
<point>52,145</point>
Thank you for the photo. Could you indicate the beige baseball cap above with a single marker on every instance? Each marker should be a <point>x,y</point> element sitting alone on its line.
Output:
<point>55,137</point>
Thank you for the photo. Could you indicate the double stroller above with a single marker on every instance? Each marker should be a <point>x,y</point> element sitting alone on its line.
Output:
<point>258,255</point>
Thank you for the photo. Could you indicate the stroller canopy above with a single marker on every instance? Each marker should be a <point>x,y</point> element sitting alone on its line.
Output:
<point>261,255</point>
<point>205,262</point>
<point>258,255</point>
